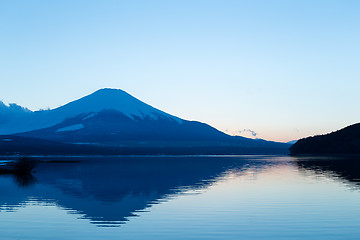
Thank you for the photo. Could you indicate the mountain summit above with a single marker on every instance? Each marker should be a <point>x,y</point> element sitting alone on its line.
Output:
<point>117,100</point>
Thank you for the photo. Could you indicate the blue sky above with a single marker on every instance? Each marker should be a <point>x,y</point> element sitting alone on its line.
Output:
<point>282,69</point>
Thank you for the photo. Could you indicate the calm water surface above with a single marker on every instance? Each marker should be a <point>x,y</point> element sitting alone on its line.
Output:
<point>238,197</point>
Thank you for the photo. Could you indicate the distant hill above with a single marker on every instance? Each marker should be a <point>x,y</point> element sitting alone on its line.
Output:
<point>113,118</point>
<point>292,142</point>
<point>344,141</point>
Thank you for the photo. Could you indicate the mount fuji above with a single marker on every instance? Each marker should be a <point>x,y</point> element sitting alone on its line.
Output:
<point>114,118</point>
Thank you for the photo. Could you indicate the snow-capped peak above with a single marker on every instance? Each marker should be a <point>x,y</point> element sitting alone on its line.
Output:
<point>103,99</point>
<point>114,99</point>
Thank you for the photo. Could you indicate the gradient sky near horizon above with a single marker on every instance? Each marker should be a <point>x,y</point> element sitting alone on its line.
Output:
<point>282,70</point>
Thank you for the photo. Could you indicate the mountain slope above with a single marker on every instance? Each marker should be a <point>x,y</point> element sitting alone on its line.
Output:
<point>344,141</point>
<point>110,126</point>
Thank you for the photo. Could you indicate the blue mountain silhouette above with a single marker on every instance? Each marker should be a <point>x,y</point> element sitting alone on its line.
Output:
<point>112,117</point>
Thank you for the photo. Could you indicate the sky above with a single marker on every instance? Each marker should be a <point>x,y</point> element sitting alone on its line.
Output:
<point>277,70</point>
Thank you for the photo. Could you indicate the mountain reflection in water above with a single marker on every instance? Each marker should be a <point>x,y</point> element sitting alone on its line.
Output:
<point>109,190</point>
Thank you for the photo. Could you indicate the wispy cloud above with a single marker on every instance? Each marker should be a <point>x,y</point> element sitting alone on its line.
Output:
<point>246,131</point>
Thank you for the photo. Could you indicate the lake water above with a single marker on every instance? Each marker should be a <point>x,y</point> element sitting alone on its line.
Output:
<point>205,197</point>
